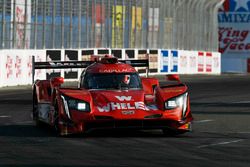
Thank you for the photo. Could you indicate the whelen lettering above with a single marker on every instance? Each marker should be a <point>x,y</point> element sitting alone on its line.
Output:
<point>124,106</point>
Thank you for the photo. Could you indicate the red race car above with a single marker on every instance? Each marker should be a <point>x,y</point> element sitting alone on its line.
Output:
<point>111,94</point>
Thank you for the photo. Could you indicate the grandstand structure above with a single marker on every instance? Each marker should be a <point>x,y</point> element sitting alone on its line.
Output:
<point>62,24</point>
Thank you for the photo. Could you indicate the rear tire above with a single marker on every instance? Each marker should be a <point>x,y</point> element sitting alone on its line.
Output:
<point>56,121</point>
<point>35,111</point>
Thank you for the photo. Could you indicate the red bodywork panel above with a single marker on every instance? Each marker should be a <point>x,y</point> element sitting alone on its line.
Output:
<point>142,106</point>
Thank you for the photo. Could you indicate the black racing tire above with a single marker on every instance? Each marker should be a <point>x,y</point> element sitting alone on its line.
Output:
<point>35,111</point>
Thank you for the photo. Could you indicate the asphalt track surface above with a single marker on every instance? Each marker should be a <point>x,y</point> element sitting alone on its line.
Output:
<point>220,106</point>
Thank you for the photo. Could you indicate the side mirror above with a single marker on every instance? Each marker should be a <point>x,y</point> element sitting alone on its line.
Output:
<point>174,77</point>
<point>56,81</point>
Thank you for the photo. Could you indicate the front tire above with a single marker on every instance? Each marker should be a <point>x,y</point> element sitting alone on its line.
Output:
<point>56,121</point>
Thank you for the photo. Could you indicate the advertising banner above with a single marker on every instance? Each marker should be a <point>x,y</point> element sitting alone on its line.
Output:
<point>16,67</point>
<point>53,55</point>
<point>9,70</point>
<point>98,17</point>
<point>153,61</point>
<point>103,52</point>
<point>216,63</point>
<point>22,33</point>
<point>129,54</point>
<point>118,18</point>
<point>183,62</point>
<point>164,61</point>
<point>71,55</point>
<point>192,62</point>
<point>201,62</point>
<point>209,62</point>
<point>136,26</point>
<point>153,26</point>
<point>174,57</point>
<point>117,53</point>
<point>234,23</point>
<point>40,56</point>
<point>87,54</point>
<point>234,35</point>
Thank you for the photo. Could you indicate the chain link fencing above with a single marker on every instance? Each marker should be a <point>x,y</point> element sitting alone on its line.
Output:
<point>58,24</point>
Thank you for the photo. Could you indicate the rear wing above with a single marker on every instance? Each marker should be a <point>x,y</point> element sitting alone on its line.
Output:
<point>80,64</point>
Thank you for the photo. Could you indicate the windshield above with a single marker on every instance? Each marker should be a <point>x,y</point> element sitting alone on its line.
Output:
<point>112,81</point>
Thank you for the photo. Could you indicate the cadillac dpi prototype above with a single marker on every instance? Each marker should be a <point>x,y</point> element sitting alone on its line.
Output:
<point>110,95</point>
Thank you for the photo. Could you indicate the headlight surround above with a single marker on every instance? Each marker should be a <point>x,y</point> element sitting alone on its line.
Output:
<point>75,104</point>
<point>179,101</point>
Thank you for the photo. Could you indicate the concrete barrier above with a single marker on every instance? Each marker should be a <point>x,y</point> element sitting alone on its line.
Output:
<point>16,65</point>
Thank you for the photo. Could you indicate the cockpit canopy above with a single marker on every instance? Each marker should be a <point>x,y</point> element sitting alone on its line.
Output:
<point>111,81</point>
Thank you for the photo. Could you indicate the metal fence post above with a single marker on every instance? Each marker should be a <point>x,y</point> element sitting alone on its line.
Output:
<point>62,24</point>
<point>87,24</point>
<point>215,40</point>
<point>25,25</point>
<point>79,23</point>
<point>3,24</point>
<point>35,24</point>
<point>44,25</point>
<point>70,23</point>
<point>108,27</point>
<point>14,25</point>
<point>53,23</point>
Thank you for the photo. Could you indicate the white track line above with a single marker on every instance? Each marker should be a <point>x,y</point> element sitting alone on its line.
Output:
<point>237,102</point>
<point>203,121</point>
<point>5,116</point>
<point>23,123</point>
<point>221,143</point>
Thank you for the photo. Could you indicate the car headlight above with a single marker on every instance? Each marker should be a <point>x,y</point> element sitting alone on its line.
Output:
<point>74,104</point>
<point>179,101</point>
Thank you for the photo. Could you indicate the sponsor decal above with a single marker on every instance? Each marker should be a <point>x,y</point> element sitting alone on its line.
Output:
<point>208,62</point>
<point>183,61</point>
<point>200,61</point>
<point>192,62</point>
<point>53,55</point>
<point>126,105</point>
<point>18,67</point>
<point>233,39</point>
<point>124,98</point>
<point>38,72</point>
<point>128,112</point>
<point>174,61</point>
<point>71,55</point>
<point>216,62</point>
<point>164,61</point>
<point>9,67</point>
<point>29,66</point>
<point>234,19</point>
<point>123,106</point>
<point>115,70</point>
<point>235,11</point>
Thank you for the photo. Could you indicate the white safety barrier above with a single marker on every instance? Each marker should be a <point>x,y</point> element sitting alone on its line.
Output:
<point>189,62</point>
<point>16,65</point>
